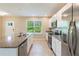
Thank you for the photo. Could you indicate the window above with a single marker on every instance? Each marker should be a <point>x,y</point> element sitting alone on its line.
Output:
<point>33,26</point>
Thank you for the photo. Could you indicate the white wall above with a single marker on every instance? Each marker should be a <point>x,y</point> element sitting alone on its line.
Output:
<point>20,23</point>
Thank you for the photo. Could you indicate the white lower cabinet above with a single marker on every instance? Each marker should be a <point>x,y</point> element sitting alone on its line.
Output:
<point>56,46</point>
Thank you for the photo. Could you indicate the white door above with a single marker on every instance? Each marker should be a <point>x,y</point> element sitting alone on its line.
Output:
<point>9,28</point>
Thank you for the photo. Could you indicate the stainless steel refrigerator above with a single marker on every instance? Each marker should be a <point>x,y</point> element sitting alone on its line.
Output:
<point>73,40</point>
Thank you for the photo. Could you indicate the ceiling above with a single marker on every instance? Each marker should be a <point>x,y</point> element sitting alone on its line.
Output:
<point>31,9</point>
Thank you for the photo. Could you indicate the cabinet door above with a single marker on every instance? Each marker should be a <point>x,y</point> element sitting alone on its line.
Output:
<point>54,44</point>
<point>29,43</point>
<point>47,36</point>
<point>58,47</point>
<point>22,50</point>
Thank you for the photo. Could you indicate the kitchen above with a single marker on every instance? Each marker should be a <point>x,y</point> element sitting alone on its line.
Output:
<point>26,25</point>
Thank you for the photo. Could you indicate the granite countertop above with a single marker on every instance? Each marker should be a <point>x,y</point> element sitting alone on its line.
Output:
<point>12,42</point>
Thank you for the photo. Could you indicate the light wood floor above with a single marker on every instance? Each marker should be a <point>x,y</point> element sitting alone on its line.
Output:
<point>40,47</point>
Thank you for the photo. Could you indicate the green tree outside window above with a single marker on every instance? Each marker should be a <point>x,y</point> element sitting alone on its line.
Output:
<point>34,26</point>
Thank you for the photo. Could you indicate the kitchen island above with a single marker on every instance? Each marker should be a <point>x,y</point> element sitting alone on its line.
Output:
<point>13,45</point>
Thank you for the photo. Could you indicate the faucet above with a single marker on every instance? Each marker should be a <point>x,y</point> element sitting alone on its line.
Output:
<point>24,34</point>
<point>20,34</point>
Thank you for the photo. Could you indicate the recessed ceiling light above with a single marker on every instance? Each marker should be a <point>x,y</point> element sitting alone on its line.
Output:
<point>2,13</point>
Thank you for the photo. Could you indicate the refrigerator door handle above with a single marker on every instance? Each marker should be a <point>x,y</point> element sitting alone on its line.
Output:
<point>72,38</point>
